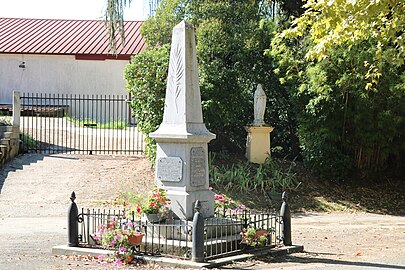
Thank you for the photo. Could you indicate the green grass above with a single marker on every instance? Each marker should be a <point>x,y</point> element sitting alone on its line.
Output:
<point>274,175</point>
<point>93,124</point>
<point>28,141</point>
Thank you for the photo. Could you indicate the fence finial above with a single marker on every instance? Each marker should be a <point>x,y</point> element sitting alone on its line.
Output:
<point>73,223</point>
<point>197,248</point>
<point>197,206</point>
<point>284,196</point>
<point>286,217</point>
<point>73,197</point>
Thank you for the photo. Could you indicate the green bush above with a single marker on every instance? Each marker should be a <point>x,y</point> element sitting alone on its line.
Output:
<point>146,82</point>
<point>231,39</point>
<point>345,130</point>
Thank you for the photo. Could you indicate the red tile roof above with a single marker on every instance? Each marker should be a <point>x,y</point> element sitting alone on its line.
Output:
<point>86,39</point>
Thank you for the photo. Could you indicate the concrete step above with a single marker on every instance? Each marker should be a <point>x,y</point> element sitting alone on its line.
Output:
<point>4,149</point>
<point>9,129</point>
<point>5,141</point>
<point>9,142</point>
<point>10,135</point>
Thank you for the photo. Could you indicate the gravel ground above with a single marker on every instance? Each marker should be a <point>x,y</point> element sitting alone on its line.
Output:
<point>342,241</point>
<point>34,198</point>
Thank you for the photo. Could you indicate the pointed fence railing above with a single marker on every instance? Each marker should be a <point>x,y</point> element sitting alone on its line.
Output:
<point>200,240</point>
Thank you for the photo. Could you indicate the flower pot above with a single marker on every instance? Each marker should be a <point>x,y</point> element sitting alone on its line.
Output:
<point>153,218</point>
<point>111,225</point>
<point>128,258</point>
<point>253,240</point>
<point>135,239</point>
<point>261,233</point>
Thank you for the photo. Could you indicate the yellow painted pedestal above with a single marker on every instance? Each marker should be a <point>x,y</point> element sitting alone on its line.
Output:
<point>258,143</point>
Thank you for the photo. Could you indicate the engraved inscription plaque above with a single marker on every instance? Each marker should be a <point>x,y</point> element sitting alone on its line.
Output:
<point>198,167</point>
<point>169,169</point>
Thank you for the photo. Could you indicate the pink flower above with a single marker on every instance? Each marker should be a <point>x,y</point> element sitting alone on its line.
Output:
<point>122,249</point>
<point>118,262</point>
<point>218,197</point>
<point>100,258</point>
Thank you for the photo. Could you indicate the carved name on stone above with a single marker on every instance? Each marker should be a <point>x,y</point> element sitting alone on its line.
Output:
<point>169,169</point>
<point>198,167</point>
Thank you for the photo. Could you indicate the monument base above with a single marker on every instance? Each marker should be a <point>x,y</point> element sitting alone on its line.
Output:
<point>183,203</point>
<point>175,236</point>
<point>216,227</point>
<point>258,143</point>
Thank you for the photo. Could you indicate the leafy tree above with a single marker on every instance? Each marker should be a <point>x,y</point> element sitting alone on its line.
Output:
<point>231,39</point>
<point>349,23</point>
<point>157,29</point>
<point>114,19</point>
<point>230,53</point>
<point>343,126</point>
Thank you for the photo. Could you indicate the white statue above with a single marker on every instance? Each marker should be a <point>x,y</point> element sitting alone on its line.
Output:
<point>259,106</point>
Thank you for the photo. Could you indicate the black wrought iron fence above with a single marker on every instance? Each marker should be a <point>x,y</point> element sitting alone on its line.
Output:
<point>90,124</point>
<point>228,234</point>
<point>170,238</point>
<point>223,235</point>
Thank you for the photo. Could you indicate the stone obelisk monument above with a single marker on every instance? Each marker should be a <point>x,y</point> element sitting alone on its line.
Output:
<point>182,138</point>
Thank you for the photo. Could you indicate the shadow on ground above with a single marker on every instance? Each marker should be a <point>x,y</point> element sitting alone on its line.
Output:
<point>311,258</point>
<point>19,162</point>
<point>325,196</point>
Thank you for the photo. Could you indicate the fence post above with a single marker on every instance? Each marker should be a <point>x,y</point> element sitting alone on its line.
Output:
<point>73,223</point>
<point>286,224</point>
<point>197,248</point>
<point>16,108</point>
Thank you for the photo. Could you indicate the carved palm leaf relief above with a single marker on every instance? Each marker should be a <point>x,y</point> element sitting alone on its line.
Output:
<point>176,73</point>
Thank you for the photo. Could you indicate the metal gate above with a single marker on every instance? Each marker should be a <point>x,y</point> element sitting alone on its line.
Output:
<point>79,124</point>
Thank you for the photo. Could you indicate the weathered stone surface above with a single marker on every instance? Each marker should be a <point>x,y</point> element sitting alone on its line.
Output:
<point>182,117</point>
<point>9,143</point>
<point>182,133</point>
<point>258,143</point>
<point>198,170</point>
<point>169,169</point>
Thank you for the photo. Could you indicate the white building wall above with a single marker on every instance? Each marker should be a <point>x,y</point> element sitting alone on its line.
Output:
<point>59,74</point>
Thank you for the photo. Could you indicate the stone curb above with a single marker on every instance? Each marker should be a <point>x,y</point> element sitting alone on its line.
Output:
<point>179,263</point>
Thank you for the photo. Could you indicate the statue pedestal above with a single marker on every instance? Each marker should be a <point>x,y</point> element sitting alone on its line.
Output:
<point>258,143</point>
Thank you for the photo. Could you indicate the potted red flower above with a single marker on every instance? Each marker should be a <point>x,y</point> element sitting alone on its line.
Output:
<point>155,209</point>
